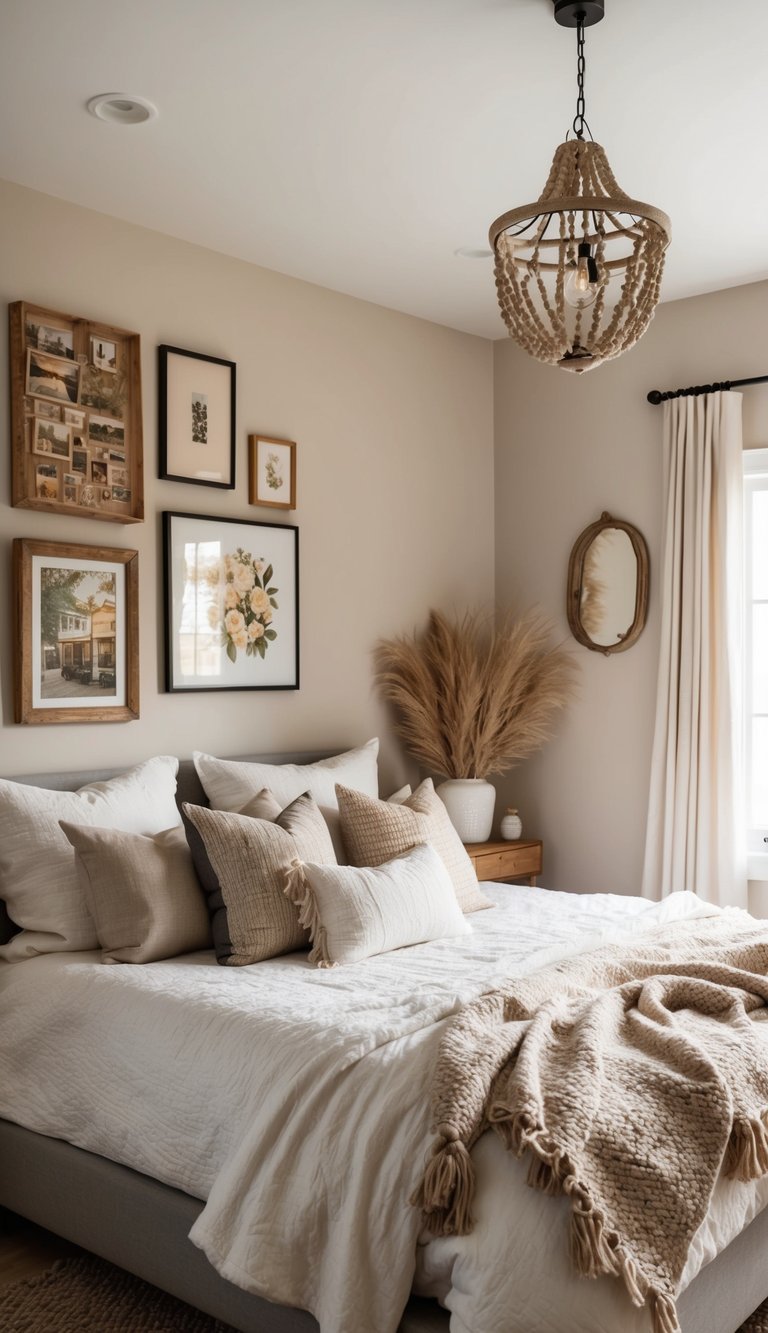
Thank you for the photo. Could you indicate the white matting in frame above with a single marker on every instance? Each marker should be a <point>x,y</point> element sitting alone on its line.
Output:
<point>197,418</point>
<point>232,604</point>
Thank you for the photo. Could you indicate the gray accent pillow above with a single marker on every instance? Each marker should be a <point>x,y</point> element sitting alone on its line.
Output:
<point>249,860</point>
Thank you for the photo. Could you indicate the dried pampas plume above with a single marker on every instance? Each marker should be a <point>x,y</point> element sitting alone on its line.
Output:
<point>472,700</point>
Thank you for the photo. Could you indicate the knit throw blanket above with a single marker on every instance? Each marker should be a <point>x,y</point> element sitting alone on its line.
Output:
<point>629,1076</point>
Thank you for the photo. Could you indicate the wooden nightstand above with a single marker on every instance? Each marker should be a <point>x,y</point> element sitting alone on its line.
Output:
<point>506,860</point>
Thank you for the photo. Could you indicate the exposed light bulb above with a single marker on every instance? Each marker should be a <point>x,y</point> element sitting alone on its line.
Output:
<point>585,281</point>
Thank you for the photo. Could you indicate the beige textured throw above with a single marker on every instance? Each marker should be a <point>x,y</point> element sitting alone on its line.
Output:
<point>631,1075</point>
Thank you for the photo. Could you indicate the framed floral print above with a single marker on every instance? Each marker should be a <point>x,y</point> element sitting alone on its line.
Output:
<point>231,604</point>
<point>77,633</point>
<point>197,418</point>
<point>271,472</point>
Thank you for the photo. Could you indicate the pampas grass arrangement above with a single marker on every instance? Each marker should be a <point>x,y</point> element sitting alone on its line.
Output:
<point>472,699</point>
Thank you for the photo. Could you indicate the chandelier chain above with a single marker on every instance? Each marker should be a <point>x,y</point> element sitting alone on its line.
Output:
<point>581,66</point>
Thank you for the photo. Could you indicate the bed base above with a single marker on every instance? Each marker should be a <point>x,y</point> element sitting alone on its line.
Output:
<point>142,1225</point>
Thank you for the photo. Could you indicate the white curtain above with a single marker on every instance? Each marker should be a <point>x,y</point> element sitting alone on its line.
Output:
<point>695,835</point>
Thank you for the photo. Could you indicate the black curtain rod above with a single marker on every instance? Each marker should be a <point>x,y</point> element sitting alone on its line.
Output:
<point>656,396</point>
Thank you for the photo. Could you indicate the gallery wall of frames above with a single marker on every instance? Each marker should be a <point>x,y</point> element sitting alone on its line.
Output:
<point>231,585</point>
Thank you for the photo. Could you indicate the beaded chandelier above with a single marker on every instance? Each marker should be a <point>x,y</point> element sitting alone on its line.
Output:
<point>578,273</point>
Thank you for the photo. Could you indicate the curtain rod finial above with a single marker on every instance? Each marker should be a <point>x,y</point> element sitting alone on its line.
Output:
<point>655,397</point>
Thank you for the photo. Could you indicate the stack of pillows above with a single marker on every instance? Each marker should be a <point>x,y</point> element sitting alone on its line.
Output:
<point>269,855</point>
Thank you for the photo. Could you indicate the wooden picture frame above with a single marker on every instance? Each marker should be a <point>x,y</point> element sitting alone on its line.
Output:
<point>231,604</point>
<point>591,589</point>
<point>271,472</point>
<point>196,424</point>
<point>69,372</point>
<point>76,629</point>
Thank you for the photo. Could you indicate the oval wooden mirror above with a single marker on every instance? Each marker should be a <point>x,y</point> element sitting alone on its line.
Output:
<point>608,586</point>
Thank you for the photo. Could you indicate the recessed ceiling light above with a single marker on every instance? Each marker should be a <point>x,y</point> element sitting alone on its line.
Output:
<point>470,252</point>
<point>122,108</point>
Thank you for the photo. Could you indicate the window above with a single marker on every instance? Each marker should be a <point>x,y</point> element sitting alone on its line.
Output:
<point>756,646</point>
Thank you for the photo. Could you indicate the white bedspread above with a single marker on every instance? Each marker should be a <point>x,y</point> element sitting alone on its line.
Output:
<point>296,1101</point>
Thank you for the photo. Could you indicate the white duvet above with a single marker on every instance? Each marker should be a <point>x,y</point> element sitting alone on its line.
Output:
<point>296,1101</point>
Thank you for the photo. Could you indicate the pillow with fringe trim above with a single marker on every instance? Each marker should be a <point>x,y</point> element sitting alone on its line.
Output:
<point>355,912</point>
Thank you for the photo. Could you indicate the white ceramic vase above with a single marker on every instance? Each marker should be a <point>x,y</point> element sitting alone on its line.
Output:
<point>470,803</point>
<point>511,825</point>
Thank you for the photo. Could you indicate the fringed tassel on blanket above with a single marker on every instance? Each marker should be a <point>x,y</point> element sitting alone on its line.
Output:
<point>664,1314</point>
<point>595,1250</point>
<point>448,1186</point>
<point>298,889</point>
<point>746,1157</point>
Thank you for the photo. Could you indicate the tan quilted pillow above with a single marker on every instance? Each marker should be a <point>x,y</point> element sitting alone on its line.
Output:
<point>251,858</point>
<point>142,893</point>
<point>375,832</point>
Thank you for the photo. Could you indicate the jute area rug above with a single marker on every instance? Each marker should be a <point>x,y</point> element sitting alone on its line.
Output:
<point>88,1295</point>
<point>757,1322</point>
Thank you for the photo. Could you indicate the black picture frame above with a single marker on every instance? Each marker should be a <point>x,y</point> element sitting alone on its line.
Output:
<point>231,604</point>
<point>207,427</point>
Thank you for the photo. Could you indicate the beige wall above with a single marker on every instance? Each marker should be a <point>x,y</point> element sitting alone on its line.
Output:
<point>394,422</point>
<point>568,447</point>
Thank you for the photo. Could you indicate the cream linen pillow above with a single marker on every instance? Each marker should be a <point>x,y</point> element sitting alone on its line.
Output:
<point>252,918</point>
<point>355,913</point>
<point>230,783</point>
<point>142,893</point>
<point>38,879</point>
<point>375,831</point>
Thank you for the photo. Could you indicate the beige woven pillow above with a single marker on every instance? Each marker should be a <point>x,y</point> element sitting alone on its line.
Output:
<point>355,912</point>
<point>251,858</point>
<point>142,893</point>
<point>376,831</point>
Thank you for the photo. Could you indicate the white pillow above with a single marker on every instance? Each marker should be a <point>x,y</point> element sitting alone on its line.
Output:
<point>230,783</point>
<point>353,913</point>
<point>38,878</point>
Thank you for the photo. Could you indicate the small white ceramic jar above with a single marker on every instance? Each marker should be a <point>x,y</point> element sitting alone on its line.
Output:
<point>511,825</point>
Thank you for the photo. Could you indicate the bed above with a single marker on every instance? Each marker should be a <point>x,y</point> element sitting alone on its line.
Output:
<point>118,1195</point>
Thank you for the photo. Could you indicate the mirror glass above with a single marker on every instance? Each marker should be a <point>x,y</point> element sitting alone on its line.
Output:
<point>608,585</point>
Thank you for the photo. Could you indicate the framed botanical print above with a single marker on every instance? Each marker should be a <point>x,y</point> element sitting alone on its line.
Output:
<point>231,604</point>
<point>76,627</point>
<point>75,396</point>
<point>197,418</point>
<point>271,472</point>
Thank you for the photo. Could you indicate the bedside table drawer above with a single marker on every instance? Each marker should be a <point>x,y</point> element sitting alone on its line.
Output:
<point>506,860</point>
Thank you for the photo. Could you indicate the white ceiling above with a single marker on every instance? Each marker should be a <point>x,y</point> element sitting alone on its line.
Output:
<point>359,143</point>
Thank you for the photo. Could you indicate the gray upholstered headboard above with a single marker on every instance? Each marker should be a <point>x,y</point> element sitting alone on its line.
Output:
<point>188,789</point>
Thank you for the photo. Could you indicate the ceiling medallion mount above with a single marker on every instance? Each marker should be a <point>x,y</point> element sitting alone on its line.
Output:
<point>569,13</point>
<point>578,272</point>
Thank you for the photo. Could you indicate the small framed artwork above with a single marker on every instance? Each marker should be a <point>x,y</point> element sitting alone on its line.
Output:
<point>76,630</point>
<point>197,418</point>
<point>52,437</point>
<point>103,354</point>
<point>52,377</point>
<point>75,396</point>
<point>271,472</point>
<point>231,604</point>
